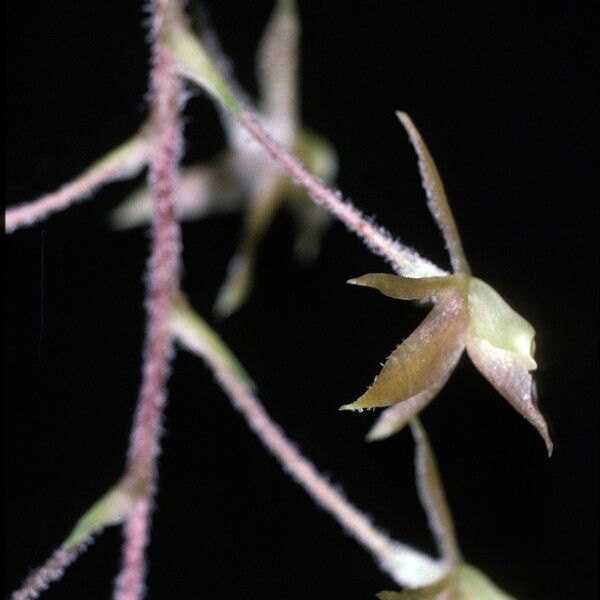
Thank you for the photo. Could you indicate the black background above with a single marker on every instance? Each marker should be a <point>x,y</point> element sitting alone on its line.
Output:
<point>503,93</point>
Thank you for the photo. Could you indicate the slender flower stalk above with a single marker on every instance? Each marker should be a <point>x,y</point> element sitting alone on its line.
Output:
<point>131,580</point>
<point>52,570</point>
<point>125,161</point>
<point>403,259</point>
<point>163,282</point>
<point>405,565</point>
<point>195,63</point>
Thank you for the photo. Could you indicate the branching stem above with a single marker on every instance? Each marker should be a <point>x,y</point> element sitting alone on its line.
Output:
<point>162,285</point>
<point>123,162</point>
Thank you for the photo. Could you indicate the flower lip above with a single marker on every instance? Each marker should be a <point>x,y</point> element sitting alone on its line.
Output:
<point>493,320</point>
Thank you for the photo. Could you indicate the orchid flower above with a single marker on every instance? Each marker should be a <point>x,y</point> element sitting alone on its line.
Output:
<point>467,313</point>
<point>245,174</point>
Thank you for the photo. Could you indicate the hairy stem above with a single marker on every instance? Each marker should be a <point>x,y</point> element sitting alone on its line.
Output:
<point>162,285</point>
<point>52,570</point>
<point>131,580</point>
<point>196,64</point>
<point>406,566</point>
<point>123,162</point>
<point>404,260</point>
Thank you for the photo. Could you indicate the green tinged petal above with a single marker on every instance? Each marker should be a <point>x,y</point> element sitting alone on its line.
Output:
<point>493,320</point>
<point>277,62</point>
<point>405,288</point>
<point>238,283</point>
<point>501,345</point>
<point>436,196</point>
<point>424,359</point>
<point>264,202</point>
<point>394,418</point>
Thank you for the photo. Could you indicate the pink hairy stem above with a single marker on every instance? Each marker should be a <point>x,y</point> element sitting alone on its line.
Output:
<point>163,282</point>
<point>406,565</point>
<point>403,260</point>
<point>52,570</point>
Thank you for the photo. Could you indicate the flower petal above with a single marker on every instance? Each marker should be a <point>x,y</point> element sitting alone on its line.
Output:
<point>393,419</point>
<point>508,372</point>
<point>278,70</point>
<point>405,288</point>
<point>492,319</point>
<point>436,196</point>
<point>265,200</point>
<point>425,358</point>
<point>203,190</point>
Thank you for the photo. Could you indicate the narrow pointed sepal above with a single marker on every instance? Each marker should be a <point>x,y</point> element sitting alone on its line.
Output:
<point>277,67</point>
<point>507,372</point>
<point>436,196</point>
<point>424,359</point>
<point>237,286</point>
<point>394,418</point>
<point>265,199</point>
<point>405,288</point>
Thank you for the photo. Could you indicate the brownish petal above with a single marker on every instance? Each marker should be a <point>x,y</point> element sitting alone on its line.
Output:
<point>507,372</point>
<point>396,417</point>
<point>424,360</point>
